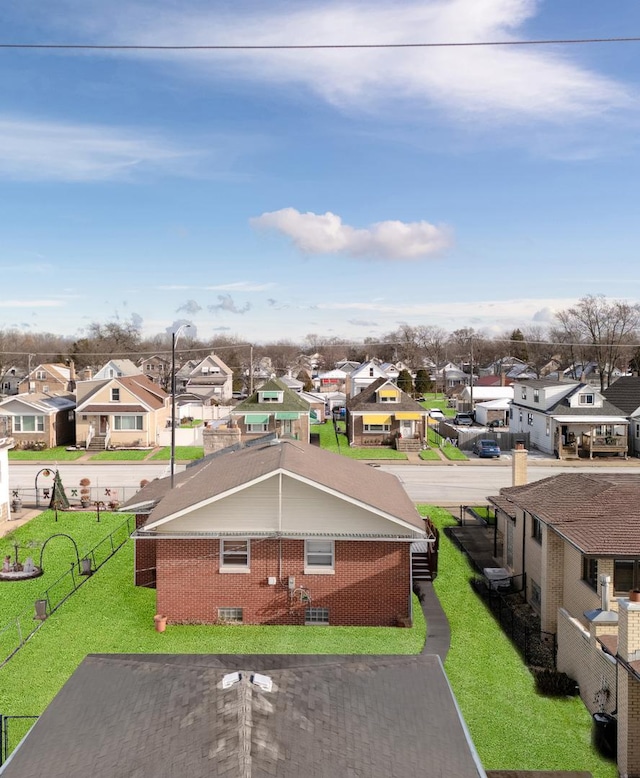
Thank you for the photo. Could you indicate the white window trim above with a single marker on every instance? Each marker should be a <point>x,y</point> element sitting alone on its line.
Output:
<point>319,569</point>
<point>258,427</point>
<point>383,428</point>
<point>120,428</point>
<point>235,568</point>
<point>17,423</point>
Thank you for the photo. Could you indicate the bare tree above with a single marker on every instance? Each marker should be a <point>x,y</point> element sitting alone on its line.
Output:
<point>602,330</point>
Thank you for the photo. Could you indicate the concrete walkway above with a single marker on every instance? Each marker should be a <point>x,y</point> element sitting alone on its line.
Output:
<point>438,631</point>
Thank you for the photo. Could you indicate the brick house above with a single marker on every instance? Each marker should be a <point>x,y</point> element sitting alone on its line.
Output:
<point>281,533</point>
<point>574,539</point>
<point>382,415</point>
<point>274,407</point>
<point>49,378</point>
<point>40,420</point>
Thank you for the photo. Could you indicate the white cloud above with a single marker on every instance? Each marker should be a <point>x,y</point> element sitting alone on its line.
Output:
<point>241,286</point>
<point>31,303</point>
<point>48,150</point>
<point>326,234</point>
<point>471,83</point>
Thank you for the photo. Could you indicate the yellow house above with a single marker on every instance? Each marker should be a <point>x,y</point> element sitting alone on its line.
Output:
<point>120,412</point>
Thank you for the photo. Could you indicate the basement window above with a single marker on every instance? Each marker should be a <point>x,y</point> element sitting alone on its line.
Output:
<point>230,615</point>
<point>316,617</point>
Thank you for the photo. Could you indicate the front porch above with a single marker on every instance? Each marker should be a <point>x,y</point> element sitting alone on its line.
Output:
<point>581,441</point>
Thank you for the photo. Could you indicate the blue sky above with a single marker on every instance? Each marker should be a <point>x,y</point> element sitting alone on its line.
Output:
<point>273,194</point>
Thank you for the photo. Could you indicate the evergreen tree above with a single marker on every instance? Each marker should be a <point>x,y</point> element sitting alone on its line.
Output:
<point>423,381</point>
<point>59,500</point>
<point>405,382</point>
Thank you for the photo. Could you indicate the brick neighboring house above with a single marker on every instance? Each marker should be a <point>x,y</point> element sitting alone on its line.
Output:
<point>575,539</point>
<point>570,419</point>
<point>116,412</point>
<point>49,378</point>
<point>384,415</point>
<point>273,408</point>
<point>46,420</point>
<point>282,533</point>
<point>624,393</point>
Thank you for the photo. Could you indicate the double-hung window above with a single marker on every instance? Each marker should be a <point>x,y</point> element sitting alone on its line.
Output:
<point>235,556</point>
<point>115,395</point>
<point>536,529</point>
<point>28,423</point>
<point>626,576</point>
<point>319,556</point>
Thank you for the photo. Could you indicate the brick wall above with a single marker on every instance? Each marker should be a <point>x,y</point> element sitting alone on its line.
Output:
<point>370,586</point>
<point>581,658</point>
<point>552,583</point>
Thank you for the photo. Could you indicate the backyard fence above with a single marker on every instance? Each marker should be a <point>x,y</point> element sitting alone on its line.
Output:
<point>16,632</point>
<point>12,730</point>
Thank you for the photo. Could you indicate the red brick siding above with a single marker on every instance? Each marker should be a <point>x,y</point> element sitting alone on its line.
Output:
<point>370,586</point>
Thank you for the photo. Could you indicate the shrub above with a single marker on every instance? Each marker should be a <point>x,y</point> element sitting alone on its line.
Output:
<point>554,684</point>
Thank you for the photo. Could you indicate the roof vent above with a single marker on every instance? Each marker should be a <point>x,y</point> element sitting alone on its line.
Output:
<point>264,682</point>
<point>230,679</point>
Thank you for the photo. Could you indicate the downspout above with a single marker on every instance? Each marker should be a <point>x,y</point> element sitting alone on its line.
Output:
<point>524,538</point>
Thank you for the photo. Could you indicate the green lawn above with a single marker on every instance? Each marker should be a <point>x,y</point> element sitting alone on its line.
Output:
<point>512,726</point>
<point>430,455</point>
<point>439,400</point>
<point>120,456</point>
<point>191,424</point>
<point>57,454</point>
<point>328,442</point>
<point>182,452</point>
<point>110,615</point>
<point>453,453</point>
<point>17,597</point>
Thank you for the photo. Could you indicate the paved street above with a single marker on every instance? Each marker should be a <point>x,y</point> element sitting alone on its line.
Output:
<point>448,484</point>
<point>470,483</point>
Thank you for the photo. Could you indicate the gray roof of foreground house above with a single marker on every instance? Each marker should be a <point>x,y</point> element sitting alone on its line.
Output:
<point>219,474</point>
<point>324,717</point>
<point>625,394</point>
<point>598,513</point>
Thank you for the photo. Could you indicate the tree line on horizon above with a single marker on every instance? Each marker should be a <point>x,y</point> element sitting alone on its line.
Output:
<point>594,330</point>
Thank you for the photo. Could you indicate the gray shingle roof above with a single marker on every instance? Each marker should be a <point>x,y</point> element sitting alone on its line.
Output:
<point>625,394</point>
<point>370,486</point>
<point>291,401</point>
<point>325,717</point>
<point>598,513</point>
<point>365,401</point>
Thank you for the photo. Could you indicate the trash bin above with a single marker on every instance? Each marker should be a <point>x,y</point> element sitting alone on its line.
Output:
<point>605,734</point>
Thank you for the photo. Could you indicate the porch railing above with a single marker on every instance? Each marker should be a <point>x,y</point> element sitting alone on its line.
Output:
<point>90,435</point>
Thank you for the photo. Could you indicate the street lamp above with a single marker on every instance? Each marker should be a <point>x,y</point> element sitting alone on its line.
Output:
<point>174,338</point>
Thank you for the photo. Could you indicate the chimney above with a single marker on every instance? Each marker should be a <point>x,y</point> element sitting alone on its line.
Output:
<point>72,371</point>
<point>519,464</point>
<point>628,687</point>
<point>503,378</point>
<point>87,374</point>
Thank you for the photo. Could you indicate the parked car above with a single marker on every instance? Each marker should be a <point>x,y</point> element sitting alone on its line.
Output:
<point>436,413</point>
<point>486,449</point>
<point>463,419</point>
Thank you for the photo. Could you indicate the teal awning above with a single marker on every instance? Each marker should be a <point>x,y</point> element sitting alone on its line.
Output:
<point>256,418</point>
<point>286,415</point>
<point>314,415</point>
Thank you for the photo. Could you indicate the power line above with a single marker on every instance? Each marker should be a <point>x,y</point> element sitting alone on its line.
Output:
<point>313,46</point>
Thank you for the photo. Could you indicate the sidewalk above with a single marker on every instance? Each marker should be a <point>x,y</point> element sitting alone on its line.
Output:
<point>22,517</point>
